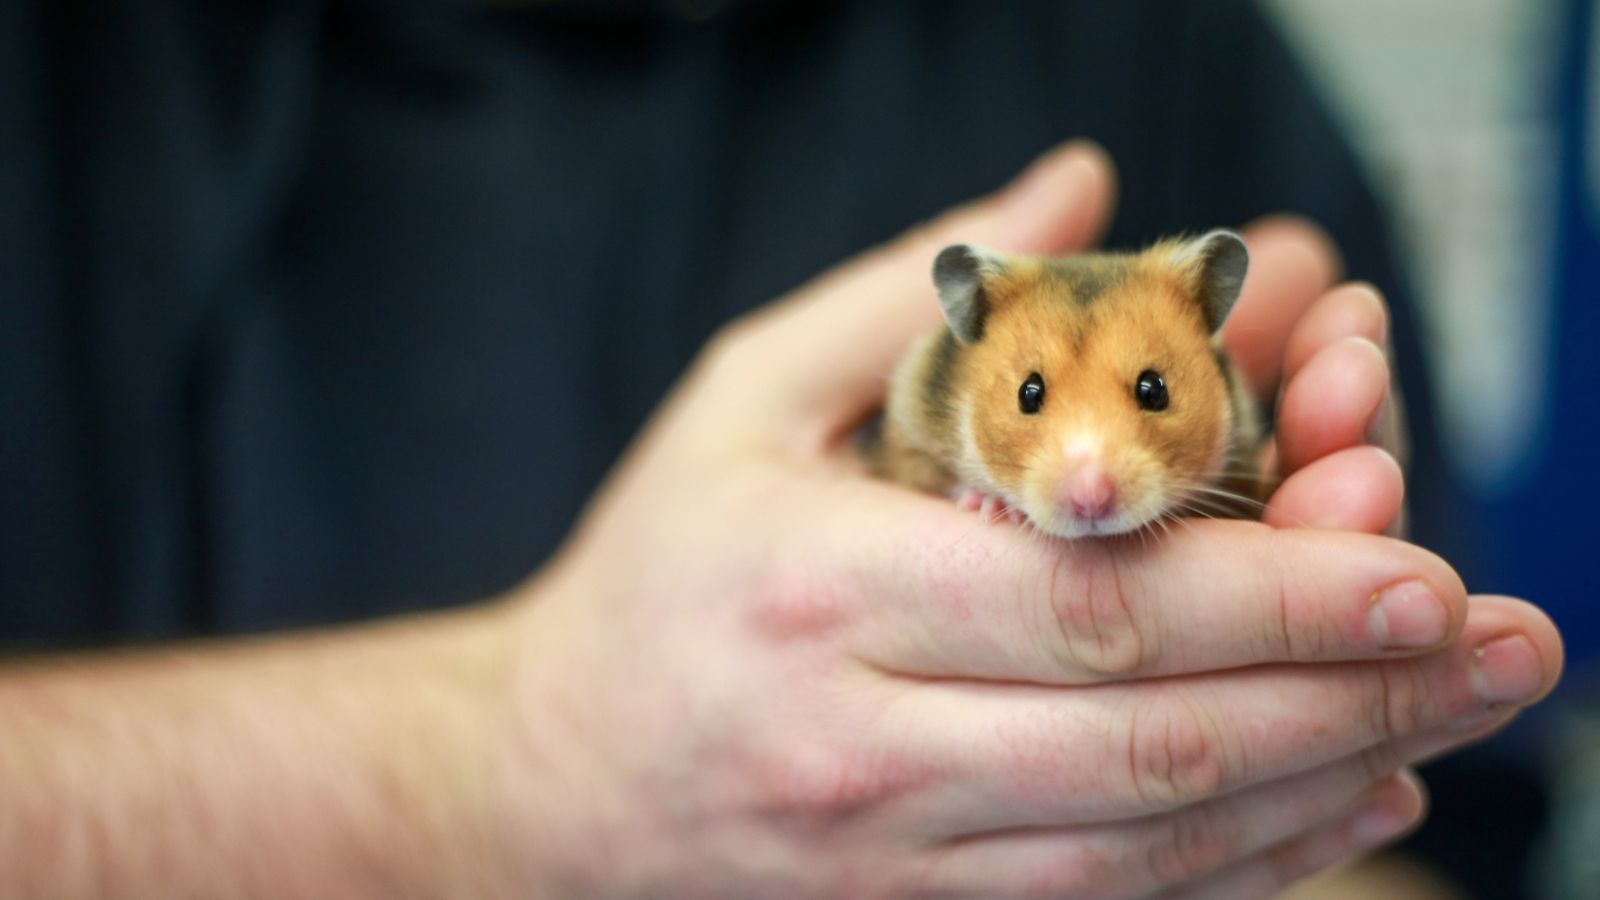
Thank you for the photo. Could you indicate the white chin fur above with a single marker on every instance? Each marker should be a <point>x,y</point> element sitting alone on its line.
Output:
<point>1071,527</point>
<point>1077,528</point>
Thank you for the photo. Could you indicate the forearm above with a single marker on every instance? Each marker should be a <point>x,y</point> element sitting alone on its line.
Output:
<point>351,763</point>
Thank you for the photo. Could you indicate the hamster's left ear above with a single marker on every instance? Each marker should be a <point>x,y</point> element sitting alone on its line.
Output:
<point>960,273</point>
<point>1219,260</point>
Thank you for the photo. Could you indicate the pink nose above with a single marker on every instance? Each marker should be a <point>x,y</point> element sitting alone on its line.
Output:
<point>1091,493</point>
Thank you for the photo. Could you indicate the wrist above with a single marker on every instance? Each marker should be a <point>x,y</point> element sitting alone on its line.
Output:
<point>557,812</point>
<point>347,763</point>
<point>446,752</point>
<point>407,797</point>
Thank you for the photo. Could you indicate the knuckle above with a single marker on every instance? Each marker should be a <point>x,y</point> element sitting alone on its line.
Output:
<point>1096,630</point>
<point>792,605</point>
<point>1295,638</point>
<point>1191,845</point>
<point>1402,702</point>
<point>825,786</point>
<point>1176,754</point>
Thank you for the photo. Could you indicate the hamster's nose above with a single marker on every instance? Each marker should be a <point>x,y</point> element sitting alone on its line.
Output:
<point>1090,492</point>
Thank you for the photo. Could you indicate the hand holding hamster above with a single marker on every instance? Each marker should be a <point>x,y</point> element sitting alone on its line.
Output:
<point>753,671</point>
<point>1089,395</point>
<point>786,678</point>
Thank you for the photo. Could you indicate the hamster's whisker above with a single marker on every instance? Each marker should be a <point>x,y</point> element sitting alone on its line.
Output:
<point>1216,496</point>
<point>1193,510</point>
<point>1209,491</point>
<point>1252,477</point>
<point>1166,525</point>
<point>1147,531</point>
<point>1246,478</point>
<point>1207,508</point>
<point>1017,538</point>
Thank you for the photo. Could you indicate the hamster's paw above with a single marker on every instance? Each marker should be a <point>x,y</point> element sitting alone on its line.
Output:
<point>988,507</point>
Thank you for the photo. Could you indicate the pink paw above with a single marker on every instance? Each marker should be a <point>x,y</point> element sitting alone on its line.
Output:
<point>988,507</point>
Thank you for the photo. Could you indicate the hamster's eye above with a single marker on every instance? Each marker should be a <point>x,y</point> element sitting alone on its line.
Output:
<point>1031,395</point>
<point>1151,391</point>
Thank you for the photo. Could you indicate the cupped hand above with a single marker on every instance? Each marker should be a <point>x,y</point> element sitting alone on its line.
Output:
<point>756,672</point>
<point>1318,352</point>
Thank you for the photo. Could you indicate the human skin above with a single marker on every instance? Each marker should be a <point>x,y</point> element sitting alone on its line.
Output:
<point>755,672</point>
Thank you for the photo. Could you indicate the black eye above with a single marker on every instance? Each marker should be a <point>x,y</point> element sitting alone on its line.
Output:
<point>1031,395</point>
<point>1151,391</point>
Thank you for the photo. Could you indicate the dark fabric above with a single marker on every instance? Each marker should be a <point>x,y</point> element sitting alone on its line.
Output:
<point>312,311</point>
<point>322,310</point>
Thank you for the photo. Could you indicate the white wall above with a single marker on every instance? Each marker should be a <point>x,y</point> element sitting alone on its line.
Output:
<point>1448,101</point>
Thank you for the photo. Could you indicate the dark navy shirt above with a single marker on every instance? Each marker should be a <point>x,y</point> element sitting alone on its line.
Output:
<point>323,309</point>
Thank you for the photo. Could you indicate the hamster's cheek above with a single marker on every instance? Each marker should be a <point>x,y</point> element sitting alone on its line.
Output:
<point>1003,443</point>
<point>1144,489</point>
<point>1036,497</point>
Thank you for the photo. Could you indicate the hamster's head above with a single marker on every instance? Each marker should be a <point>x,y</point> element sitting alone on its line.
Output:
<point>1091,394</point>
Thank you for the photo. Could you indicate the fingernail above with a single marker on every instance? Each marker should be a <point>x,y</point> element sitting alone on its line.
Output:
<point>1375,825</point>
<point>1380,428</point>
<point>1480,719</point>
<point>1378,311</point>
<point>1407,616</point>
<point>1506,670</point>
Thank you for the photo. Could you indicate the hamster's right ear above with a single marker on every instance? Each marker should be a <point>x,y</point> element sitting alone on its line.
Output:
<point>1219,261</point>
<point>960,273</point>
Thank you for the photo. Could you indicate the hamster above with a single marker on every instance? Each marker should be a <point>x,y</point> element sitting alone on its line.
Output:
<point>1088,395</point>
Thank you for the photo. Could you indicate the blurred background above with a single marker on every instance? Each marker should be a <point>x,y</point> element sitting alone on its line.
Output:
<point>1478,123</point>
<point>320,310</point>
<point>1471,121</point>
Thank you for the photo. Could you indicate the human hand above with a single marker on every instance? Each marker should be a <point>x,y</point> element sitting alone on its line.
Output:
<point>755,672</point>
<point>1319,352</point>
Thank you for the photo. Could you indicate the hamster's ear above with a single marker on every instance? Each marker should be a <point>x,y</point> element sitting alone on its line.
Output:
<point>1218,260</point>
<point>960,272</point>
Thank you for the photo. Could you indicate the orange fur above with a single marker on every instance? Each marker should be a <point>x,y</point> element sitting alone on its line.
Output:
<point>1089,326</point>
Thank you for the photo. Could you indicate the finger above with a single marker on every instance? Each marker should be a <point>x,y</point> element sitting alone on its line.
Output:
<point>1245,820</point>
<point>863,315</point>
<point>1332,402</point>
<point>1395,808</point>
<point>1354,310</point>
<point>1351,310</point>
<point>1137,858</point>
<point>1292,263</point>
<point>1119,751</point>
<point>1356,489</point>
<point>944,595</point>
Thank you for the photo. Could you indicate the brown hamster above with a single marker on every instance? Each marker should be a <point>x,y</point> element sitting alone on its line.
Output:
<point>1089,395</point>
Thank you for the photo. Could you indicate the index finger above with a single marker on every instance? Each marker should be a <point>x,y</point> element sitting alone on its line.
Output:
<point>945,596</point>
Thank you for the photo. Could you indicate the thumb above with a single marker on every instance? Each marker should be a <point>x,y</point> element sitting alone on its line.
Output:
<point>830,347</point>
